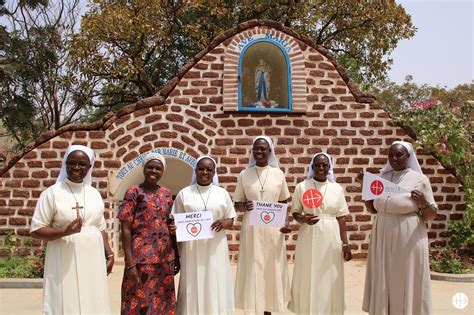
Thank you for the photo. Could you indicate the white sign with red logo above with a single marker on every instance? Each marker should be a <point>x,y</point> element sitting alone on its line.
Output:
<point>269,214</point>
<point>375,187</point>
<point>193,226</point>
<point>312,198</point>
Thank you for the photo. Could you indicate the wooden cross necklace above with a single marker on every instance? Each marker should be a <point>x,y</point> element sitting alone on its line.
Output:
<point>77,207</point>
<point>262,186</point>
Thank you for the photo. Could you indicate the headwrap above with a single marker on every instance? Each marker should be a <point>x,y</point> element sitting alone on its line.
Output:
<point>412,161</point>
<point>215,180</point>
<point>154,156</point>
<point>331,167</point>
<point>90,153</point>
<point>272,160</point>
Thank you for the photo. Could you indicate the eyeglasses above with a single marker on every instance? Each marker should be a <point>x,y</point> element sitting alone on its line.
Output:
<point>324,165</point>
<point>73,164</point>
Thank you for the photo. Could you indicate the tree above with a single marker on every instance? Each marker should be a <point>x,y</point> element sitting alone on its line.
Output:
<point>440,120</point>
<point>134,47</point>
<point>41,88</point>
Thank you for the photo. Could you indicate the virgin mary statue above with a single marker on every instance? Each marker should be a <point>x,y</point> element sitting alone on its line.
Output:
<point>262,81</point>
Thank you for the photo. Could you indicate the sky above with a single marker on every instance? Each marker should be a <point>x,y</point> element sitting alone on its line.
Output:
<point>441,52</point>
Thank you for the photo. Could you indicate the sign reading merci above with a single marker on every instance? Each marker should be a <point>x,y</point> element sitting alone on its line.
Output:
<point>375,187</point>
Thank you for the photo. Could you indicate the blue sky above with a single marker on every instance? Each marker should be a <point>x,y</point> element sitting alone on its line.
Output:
<point>441,52</point>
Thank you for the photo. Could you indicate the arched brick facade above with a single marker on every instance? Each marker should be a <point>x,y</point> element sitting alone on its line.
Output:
<point>190,114</point>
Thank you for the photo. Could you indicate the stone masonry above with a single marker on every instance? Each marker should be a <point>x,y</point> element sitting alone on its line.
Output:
<point>196,112</point>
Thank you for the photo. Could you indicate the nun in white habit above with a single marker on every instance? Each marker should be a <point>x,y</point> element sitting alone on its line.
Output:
<point>319,205</point>
<point>262,282</point>
<point>398,273</point>
<point>70,216</point>
<point>205,284</point>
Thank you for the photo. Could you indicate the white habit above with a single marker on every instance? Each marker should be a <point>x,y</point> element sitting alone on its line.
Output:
<point>262,282</point>
<point>75,275</point>
<point>205,283</point>
<point>318,276</point>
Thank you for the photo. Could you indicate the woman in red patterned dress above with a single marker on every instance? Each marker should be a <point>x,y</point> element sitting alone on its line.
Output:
<point>149,244</point>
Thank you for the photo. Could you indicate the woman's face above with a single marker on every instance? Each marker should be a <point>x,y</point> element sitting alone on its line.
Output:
<point>321,167</point>
<point>398,157</point>
<point>77,166</point>
<point>205,171</point>
<point>261,151</point>
<point>153,171</point>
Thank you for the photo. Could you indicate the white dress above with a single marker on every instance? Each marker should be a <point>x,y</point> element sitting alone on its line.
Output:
<point>75,275</point>
<point>397,279</point>
<point>262,282</point>
<point>318,276</point>
<point>205,283</point>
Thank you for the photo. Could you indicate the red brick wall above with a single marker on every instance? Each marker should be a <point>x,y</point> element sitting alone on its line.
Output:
<point>188,114</point>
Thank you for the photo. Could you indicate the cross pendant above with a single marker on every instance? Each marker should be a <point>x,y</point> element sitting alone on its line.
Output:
<point>262,191</point>
<point>77,207</point>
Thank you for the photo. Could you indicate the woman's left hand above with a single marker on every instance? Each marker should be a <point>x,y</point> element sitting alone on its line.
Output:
<point>419,198</point>
<point>285,229</point>
<point>110,264</point>
<point>221,224</point>
<point>172,227</point>
<point>346,252</point>
<point>177,265</point>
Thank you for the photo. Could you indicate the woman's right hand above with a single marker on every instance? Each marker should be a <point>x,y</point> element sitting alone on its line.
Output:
<point>311,219</point>
<point>305,218</point>
<point>74,227</point>
<point>249,205</point>
<point>132,274</point>
<point>360,177</point>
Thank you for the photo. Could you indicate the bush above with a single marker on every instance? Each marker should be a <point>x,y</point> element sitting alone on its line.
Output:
<point>14,266</point>
<point>448,261</point>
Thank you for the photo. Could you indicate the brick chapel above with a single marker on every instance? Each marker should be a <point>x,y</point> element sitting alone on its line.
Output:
<point>259,78</point>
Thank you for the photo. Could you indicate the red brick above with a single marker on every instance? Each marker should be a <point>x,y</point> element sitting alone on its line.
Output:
<point>292,132</point>
<point>112,164</point>
<point>216,100</point>
<point>253,132</point>
<point>210,91</point>
<point>357,237</point>
<point>160,126</point>
<point>216,82</point>
<point>39,174</point>
<point>117,133</point>
<point>49,155</point>
<point>321,141</point>
<point>200,137</point>
<point>141,112</point>
<point>210,75</point>
<point>272,131</point>
<point>317,73</point>
<point>141,132</point>
<point>192,75</point>
<point>124,140</point>
<point>182,100</point>
<point>245,122</point>
<point>16,221</point>
<point>53,164</point>
<point>327,98</point>
<point>31,183</point>
<point>130,156</point>
<point>60,145</point>
<point>99,173</point>
<point>96,134</point>
<point>97,145</point>
<point>375,124</point>
<point>330,132</point>
<point>196,124</point>
<point>20,174</point>
<point>34,164</point>
<point>228,123</point>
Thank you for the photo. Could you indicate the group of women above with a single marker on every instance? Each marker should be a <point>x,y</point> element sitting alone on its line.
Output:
<point>69,215</point>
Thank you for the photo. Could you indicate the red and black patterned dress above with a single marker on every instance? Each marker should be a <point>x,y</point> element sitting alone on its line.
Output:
<point>152,252</point>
